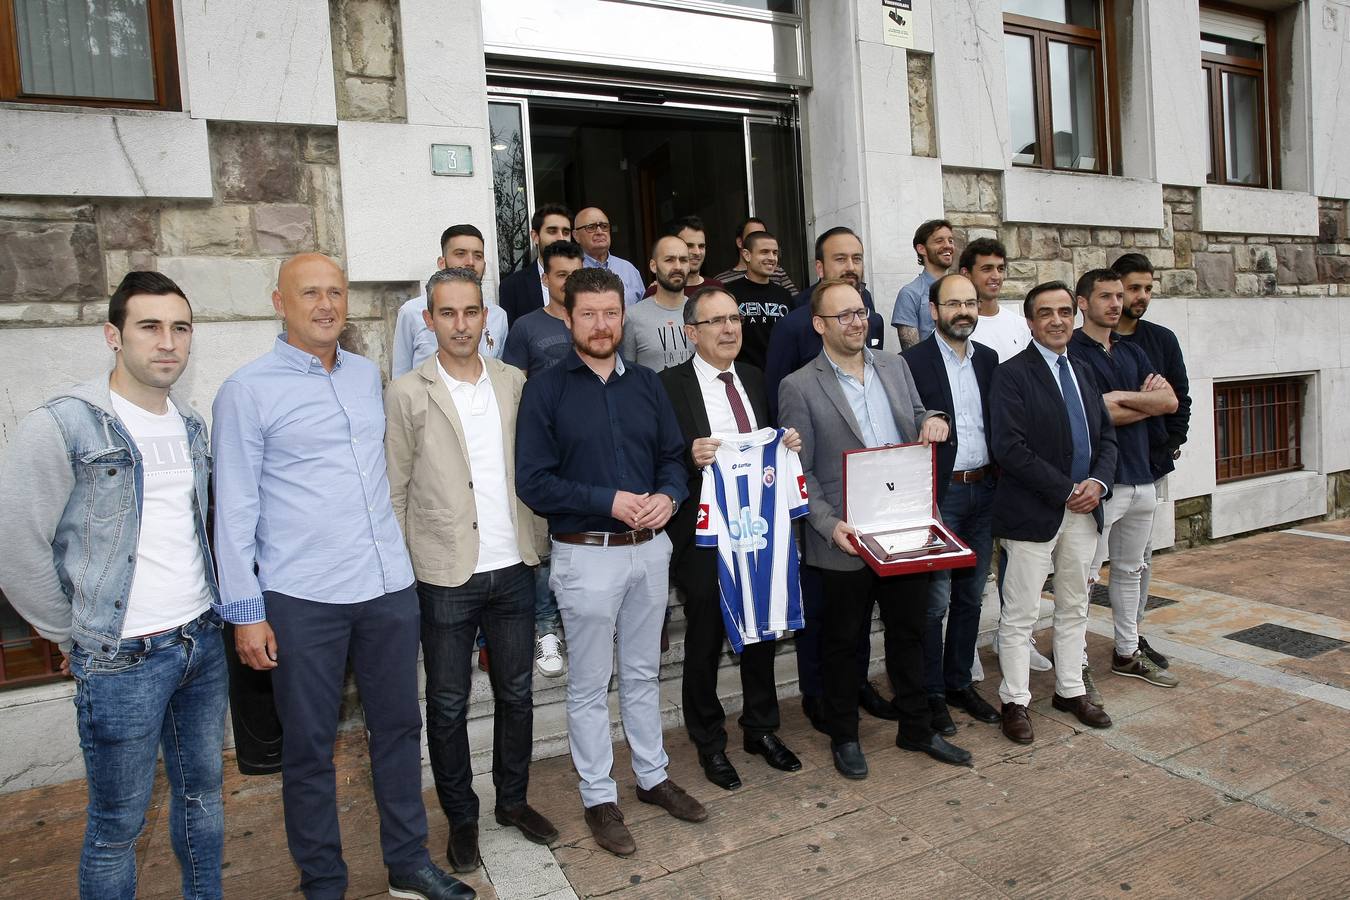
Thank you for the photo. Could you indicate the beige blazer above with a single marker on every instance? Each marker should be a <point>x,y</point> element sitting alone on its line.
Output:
<point>429,478</point>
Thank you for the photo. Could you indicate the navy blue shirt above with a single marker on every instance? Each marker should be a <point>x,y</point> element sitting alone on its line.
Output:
<point>794,342</point>
<point>1124,368</point>
<point>1166,433</point>
<point>580,440</point>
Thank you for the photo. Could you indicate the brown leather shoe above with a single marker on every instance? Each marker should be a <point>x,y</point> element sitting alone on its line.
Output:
<point>606,824</point>
<point>529,821</point>
<point>671,797</point>
<point>1017,724</point>
<point>1087,712</point>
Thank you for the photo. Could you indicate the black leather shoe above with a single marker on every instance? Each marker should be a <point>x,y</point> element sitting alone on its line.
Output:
<point>774,751</point>
<point>849,760</point>
<point>719,770</point>
<point>975,706</point>
<point>462,851</point>
<point>814,709</point>
<point>938,748</point>
<point>1158,659</point>
<point>874,704</point>
<point>939,717</point>
<point>529,822</point>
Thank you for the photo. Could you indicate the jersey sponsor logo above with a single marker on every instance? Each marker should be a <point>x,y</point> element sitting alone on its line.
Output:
<point>768,476</point>
<point>702,517</point>
<point>747,531</point>
<point>801,486</point>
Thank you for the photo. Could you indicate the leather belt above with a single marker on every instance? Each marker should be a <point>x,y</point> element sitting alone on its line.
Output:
<point>607,538</point>
<point>970,476</point>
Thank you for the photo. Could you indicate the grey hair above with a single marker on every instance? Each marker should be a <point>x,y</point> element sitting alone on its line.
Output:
<point>461,275</point>
<point>691,305</point>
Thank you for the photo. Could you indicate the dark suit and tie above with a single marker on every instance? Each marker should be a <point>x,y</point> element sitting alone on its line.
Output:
<point>522,292</point>
<point>1051,433</point>
<point>707,400</point>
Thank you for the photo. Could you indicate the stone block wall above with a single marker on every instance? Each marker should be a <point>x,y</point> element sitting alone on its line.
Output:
<point>367,63</point>
<point>1189,263</point>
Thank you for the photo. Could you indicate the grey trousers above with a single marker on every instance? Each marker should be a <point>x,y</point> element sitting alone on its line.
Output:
<point>602,591</point>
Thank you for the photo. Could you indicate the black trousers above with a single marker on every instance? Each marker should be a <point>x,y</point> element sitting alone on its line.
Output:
<point>847,611</point>
<point>704,718</point>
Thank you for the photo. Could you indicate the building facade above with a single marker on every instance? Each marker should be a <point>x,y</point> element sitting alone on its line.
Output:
<point>211,140</point>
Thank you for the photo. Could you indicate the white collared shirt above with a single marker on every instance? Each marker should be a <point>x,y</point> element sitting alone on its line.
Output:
<point>481,421</point>
<point>720,416</point>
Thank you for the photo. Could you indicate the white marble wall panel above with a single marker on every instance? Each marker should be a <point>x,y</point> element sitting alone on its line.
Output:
<point>443,62</point>
<point>41,745</point>
<point>833,121</point>
<point>903,191</point>
<point>1262,502</point>
<point>70,355</point>
<point>970,86</point>
<point>1179,111</point>
<point>86,154</point>
<point>1235,337</point>
<point>1067,198</point>
<point>394,209</point>
<point>1329,59</point>
<point>1334,396</point>
<point>1226,209</point>
<point>1194,475</point>
<point>223,286</point>
<point>885,98</point>
<point>259,61</point>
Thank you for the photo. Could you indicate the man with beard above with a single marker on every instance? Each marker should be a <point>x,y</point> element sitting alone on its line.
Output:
<point>1166,433</point>
<point>1133,394</point>
<point>653,330</point>
<point>600,453</point>
<point>691,230</point>
<point>846,399</point>
<point>954,375</point>
<point>935,245</point>
<point>762,302</point>
<point>591,229</point>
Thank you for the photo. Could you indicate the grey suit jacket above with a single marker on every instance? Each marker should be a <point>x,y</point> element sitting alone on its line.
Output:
<point>811,401</point>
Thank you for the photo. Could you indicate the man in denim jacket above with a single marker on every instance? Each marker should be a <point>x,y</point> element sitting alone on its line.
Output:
<point>103,517</point>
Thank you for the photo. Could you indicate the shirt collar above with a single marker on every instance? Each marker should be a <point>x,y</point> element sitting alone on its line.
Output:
<point>300,360</point>
<point>1051,357</point>
<point>573,361</point>
<point>593,263</point>
<point>946,350</point>
<point>706,371</point>
<point>455,383</point>
<point>868,363</point>
<point>1088,340</point>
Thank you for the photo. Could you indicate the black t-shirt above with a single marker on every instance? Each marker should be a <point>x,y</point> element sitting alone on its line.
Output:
<point>761,305</point>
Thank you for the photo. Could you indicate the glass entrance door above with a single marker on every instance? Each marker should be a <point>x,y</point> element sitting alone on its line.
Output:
<point>646,166</point>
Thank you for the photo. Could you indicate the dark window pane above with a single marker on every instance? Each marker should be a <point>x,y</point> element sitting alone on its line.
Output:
<point>1021,99</point>
<point>777,186</point>
<point>773,6</point>
<point>1066,12</point>
<point>510,194</point>
<point>1209,138</point>
<point>1213,43</point>
<point>85,48</point>
<point>1073,102</point>
<point>1240,115</point>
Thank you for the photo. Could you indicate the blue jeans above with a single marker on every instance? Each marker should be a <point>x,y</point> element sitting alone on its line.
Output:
<point>547,620</point>
<point>166,691</point>
<point>967,509</point>
<point>314,642</point>
<point>501,603</point>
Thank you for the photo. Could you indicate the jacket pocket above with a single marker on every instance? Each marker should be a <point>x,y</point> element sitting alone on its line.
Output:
<point>107,478</point>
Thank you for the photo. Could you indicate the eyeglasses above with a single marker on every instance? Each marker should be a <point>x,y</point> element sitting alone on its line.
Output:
<point>594,226</point>
<point>960,304</point>
<point>719,321</point>
<point>849,316</point>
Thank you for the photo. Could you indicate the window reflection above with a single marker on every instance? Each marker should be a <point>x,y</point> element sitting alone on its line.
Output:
<point>1021,99</point>
<point>1240,115</point>
<point>1073,105</point>
<point>1066,12</point>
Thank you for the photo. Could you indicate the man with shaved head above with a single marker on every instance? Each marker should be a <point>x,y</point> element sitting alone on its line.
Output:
<point>653,329</point>
<point>313,570</point>
<point>591,229</point>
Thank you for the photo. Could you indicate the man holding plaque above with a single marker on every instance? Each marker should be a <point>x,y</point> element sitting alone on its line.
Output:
<point>850,398</point>
<point>1056,446</point>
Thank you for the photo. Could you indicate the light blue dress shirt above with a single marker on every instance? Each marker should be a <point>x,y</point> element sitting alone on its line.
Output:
<point>911,306</point>
<point>415,342</point>
<point>867,399</point>
<point>301,487</point>
<point>633,285</point>
<point>972,450</point>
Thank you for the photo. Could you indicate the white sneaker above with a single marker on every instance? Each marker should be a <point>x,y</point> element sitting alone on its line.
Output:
<point>548,656</point>
<point>1038,662</point>
<point>977,668</point>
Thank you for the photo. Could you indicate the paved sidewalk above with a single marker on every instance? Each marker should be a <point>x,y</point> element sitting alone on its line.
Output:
<point>1235,784</point>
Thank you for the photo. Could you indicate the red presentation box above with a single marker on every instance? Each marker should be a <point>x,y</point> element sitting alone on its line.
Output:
<point>890,497</point>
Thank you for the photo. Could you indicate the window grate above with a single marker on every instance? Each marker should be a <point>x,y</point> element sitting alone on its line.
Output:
<point>1258,428</point>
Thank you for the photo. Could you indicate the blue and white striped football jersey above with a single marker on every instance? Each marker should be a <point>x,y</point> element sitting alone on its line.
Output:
<point>751,493</point>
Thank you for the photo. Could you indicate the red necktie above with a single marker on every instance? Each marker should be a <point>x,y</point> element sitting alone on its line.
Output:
<point>737,407</point>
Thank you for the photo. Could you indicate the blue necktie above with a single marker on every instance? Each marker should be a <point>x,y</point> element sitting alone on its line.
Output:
<point>1082,445</point>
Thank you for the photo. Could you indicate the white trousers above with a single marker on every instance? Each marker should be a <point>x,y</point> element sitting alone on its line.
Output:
<point>1127,533</point>
<point>602,591</point>
<point>1068,554</point>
